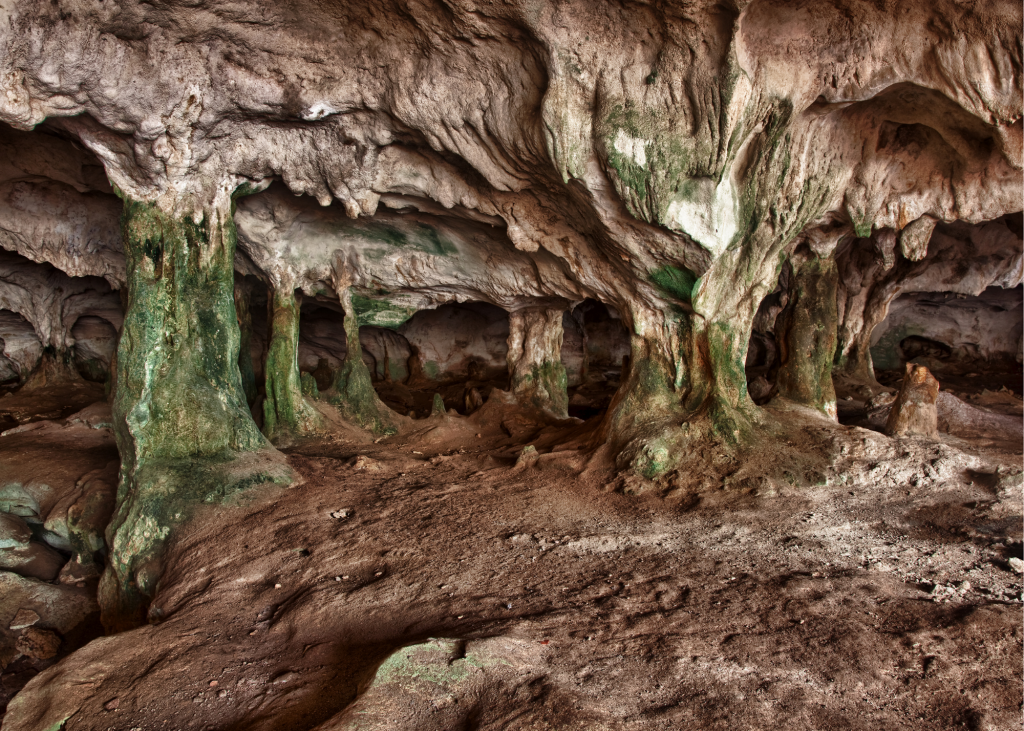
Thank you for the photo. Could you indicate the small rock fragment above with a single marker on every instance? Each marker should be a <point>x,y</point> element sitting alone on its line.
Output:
<point>24,618</point>
<point>527,458</point>
<point>39,644</point>
<point>1016,564</point>
<point>342,514</point>
<point>362,462</point>
<point>112,704</point>
<point>914,411</point>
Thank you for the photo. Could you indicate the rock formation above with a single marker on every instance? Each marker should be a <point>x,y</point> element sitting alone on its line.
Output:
<point>302,219</point>
<point>914,412</point>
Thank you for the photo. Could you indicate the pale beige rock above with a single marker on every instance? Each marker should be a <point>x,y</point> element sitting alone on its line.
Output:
<point>913,412</point>
<point>24,618</point>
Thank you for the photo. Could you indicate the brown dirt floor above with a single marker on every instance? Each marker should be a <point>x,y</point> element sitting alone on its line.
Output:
<point>561,596</point>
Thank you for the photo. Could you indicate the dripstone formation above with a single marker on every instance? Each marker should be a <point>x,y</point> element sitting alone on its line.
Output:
<point>674,231</point>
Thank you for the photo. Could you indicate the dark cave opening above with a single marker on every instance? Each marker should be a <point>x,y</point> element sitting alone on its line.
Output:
<point>458,350</point>
<point>95,345</point>
<point>20,349</point>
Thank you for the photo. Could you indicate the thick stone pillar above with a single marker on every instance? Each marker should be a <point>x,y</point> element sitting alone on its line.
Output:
<point>808,335</point>
<point>535,359</point>
<point>183,428</point>
<point>353,388</point>
<point>285,411</point>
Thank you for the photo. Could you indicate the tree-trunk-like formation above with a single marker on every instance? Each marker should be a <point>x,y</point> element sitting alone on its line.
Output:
<point>534,359</point>
<point>179,410</point>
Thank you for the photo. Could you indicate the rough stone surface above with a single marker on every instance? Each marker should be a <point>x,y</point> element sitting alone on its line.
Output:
<point>913,412</point>
<point>534,359</point>
<point>348,222</point>
<point>38,644</point>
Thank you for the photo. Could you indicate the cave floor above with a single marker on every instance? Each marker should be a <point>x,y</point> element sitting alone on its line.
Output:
<point>555,596</point>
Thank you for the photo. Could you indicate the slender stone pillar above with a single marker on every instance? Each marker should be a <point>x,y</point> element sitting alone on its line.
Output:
<point>285,411</point>
<point>535,361</point>
<point>353,388</point>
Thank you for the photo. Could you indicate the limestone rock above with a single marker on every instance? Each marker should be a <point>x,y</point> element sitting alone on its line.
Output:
<point>913,412</point>
<point>35,560</point>
<point>14,532</point>
<point>39,644</point>
<point>24,618</point>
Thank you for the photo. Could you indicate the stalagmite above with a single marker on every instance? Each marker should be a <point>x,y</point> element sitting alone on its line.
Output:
<point>914,412</point>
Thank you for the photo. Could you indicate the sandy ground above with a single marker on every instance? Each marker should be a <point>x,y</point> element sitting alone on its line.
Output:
<point>427,582</point>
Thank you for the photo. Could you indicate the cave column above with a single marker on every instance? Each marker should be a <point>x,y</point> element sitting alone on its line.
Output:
<point>286,413</point>
<point>871,278</point>
<point>807,335</point>
<point>353,388</point>
<point>243,312</point>
<point>535,365</point>
<point>649,400</point>
<point>687,378</point>
<point>183,428</point>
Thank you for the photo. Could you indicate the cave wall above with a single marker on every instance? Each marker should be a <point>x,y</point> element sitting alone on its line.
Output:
<point>977,332</point>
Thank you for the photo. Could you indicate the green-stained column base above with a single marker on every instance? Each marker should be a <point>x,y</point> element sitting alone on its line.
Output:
<point>183,427</point>
<point>647,407</point>
<point>353,388</point>
<point>285,411</point>
<point>535,360</point>
<point>685,386</point>
<point>808,329</point>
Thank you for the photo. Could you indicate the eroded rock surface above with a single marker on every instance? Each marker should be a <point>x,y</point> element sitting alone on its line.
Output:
<point>711,230</point>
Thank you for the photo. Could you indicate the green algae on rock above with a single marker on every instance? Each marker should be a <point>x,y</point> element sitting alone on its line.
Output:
<point>285,411</point>
<point>180,414</point>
